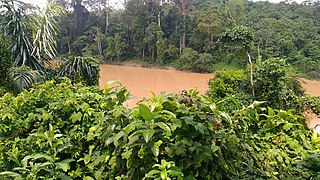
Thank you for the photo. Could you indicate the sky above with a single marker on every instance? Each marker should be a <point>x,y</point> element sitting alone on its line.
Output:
<point>42,3</point>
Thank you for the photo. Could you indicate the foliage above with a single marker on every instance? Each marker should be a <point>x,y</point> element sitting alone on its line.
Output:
<point>309,103</point>
<point>31,36</point>
<point>24,77</point>
<point>81,69</point>
<point>240,37</point>
<point>227,83</point>
<point>193,61</point>
<point>165,170</point>
<point>64,130</point>
<point>6,64</point>
<point>17,28</point>
<point>269,30</point>
<point>44,131</point>
<point>46,30</point>
<point>271,82</point>
<point>274,86</point>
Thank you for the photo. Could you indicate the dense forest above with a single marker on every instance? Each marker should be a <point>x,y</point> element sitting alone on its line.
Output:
<point>56,123</point>
<point>197,35</point>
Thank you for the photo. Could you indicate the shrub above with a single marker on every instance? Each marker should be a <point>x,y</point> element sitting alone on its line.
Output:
<point>66,131</point>
<point>274,86</point>
<point>271,84</point>
<point>193,61</point>
<point>45,132</point>
<point>227,82</point>
<point>81,69</point>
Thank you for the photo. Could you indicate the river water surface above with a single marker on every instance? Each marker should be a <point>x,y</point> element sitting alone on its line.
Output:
<point>140,81</point>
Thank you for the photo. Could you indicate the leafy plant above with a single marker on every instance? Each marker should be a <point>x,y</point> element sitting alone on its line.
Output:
<point>64,130</point>
<point>24,77</point>
<point>81,69</point>
<point>164,171</point>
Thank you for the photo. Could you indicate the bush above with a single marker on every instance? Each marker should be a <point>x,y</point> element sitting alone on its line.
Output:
<point>81,69</point>
<point>271,84</point>
<point>274,86</point>
<point>45,132</point>
<point>66,131</point>
<point>226,83</point>
<point>193,61</point>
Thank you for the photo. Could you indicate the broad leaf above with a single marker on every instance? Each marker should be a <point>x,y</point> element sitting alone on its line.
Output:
<point>147,134</point>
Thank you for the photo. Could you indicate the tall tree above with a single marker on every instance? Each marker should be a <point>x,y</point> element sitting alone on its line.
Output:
<point>183,6</point>
<point>209,21</point>
<point>242,38</point>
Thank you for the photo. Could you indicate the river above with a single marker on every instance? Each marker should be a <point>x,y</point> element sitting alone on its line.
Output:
<point>141,81</point>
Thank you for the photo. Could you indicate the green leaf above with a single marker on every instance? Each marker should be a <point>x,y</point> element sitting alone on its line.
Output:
<point>86,159</point>
<point>126,154</point>
<point>90,136</point>
<point>200,127</point>
<point>155,149</point>
<point>117,137</point>
<point>64,166</point>
<point>189,120</point>
<point>152,172</point>
<point>10,174</point>
<point>287,126</point>
<point>170,114</point>
<point>226,116</point>
<point>163,126</point>
<point>76,117</point>
<point>164,175</point>
<point>175,171</point>
<point>145,112</point>
<point>214,148</point>
<point>88,178</point>
<point>147,134</point>
<point>132,126</point>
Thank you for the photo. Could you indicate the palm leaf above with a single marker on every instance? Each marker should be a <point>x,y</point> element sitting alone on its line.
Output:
<point>23,77</point>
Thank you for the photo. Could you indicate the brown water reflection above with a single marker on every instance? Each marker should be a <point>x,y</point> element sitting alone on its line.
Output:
<point>140,81</point>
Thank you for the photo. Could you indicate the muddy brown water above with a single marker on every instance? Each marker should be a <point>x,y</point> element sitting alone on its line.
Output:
<point>141,81</point>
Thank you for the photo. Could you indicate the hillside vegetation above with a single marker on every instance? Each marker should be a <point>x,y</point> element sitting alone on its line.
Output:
<point>196,35</point>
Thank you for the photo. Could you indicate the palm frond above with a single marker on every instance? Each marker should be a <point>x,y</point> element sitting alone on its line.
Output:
<point>24,77</point>
<point>81,69</point>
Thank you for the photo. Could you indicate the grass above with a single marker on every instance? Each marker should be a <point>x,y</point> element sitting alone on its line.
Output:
<point>225,66</point>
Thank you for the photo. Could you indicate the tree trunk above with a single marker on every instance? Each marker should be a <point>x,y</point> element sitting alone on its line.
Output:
<point>251,72</point>
<point>100,47</point>
<point>183,39</point>
<point>107,15</point>
<point>159,19</point>
<point>152,54</point>
<point>184,10</point>
<point>68,43</point>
